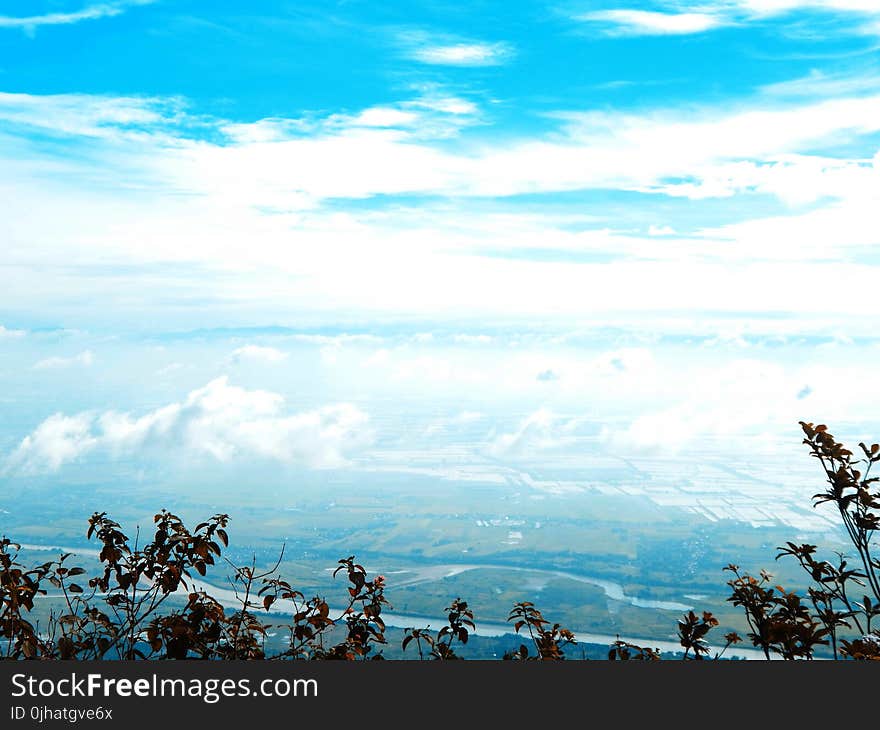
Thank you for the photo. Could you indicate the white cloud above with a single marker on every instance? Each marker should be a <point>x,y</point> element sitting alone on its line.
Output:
<point>456,422</point>
<point>90,12</point>
<point>258,353</point>
<point>642,22</point>
<point>170,368</point>
<point>220,421</point>
<point>337,340</point>
<point>824,85</point>
<point>686,18</point>
<point>9,333</point>
<point>345,158</point>
<point>655,230</point>
<point>56,441</point>
<point>794,179</point>
<point>835,233</point>
<point>380,357</point>
<point>542,430</point>
<point>431,114</point>
<point>89,116</point>
<point>466,417</point>
<point>463,54</point>
<point>84,359</point>
<point>466,339</point>
<point>772,7</point>
<point>211,208</point>
<point>744,401</point>
<point>384,117</point>
<point>635,361</point>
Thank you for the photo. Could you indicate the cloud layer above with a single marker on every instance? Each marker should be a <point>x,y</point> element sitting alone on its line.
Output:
<point>263,199</point>
<point>219,421</point>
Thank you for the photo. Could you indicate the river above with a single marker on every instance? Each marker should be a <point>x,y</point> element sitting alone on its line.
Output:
<point>228,598</point>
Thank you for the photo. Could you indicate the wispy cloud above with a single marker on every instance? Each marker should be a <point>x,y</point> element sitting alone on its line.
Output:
<point>10,333</point>
<point>688,18</point>
<point>83,359</point>
<point>346,158</point>
<point>446,50</point>
<point>463,54</point>
<point>90,12</point>
<point>540,431</point>
<point>644,22</point>
<point>821,84</point>
<point>170,368</point>
<point>90,115</point>
<point>257,353</point>
<point>773,7</point>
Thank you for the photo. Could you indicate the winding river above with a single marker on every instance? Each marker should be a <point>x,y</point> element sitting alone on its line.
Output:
<point>612,590</point>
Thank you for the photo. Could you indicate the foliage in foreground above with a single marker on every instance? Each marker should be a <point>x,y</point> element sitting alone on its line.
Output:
<point>124,611</point>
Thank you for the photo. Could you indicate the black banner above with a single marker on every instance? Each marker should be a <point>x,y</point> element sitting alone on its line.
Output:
<point>408,693</point>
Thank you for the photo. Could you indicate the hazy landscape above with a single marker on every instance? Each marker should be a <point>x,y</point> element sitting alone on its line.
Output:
<point>469,494</point>
<point>514,303</point>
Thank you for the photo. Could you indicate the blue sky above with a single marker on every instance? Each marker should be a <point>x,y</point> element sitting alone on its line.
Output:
<point>577,183</point>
